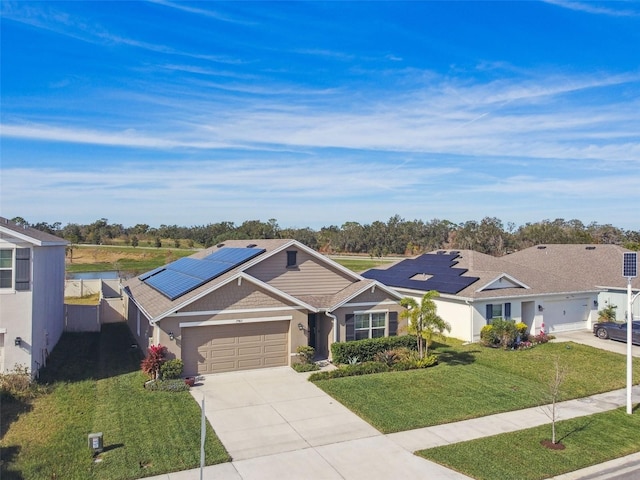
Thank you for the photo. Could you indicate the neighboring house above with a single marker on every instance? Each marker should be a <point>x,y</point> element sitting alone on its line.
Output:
<point>476,288</point>
<point>247,304</point>
<point>32,274</point>
<point>598,265</point>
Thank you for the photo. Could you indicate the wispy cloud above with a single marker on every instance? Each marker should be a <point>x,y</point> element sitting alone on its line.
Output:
<point>516,118</point>
<point>202,12</point>
<point>46,17</point>
<point>594,8</point>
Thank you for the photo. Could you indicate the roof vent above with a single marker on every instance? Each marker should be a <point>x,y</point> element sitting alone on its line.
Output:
<point>441,252</point>
<point>220,245</point>
<point>252,245</point>
<point>541,247</point>
<point>590,247</point>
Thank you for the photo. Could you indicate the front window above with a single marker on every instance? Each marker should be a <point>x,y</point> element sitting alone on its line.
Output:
<point>370,325</point>
<point>498,310</point>
<point>6,268</point>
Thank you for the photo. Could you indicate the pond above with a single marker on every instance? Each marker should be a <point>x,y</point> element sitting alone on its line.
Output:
<point>108,275</point>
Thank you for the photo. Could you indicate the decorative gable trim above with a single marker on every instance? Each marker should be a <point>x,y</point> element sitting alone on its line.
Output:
<point>503,280</point>
<point>373,285</point>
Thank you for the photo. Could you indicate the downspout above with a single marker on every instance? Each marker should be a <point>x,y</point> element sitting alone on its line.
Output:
<point>470,320</point>
<point>335,329</point>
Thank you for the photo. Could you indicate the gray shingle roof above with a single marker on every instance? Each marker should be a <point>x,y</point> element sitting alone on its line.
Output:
<point>596,265</point>
<point>32,235</point>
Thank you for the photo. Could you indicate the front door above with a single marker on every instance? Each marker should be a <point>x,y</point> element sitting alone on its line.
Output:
<point>313,325</point>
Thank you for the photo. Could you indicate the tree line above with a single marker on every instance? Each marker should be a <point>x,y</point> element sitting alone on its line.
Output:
<point>396,236</point>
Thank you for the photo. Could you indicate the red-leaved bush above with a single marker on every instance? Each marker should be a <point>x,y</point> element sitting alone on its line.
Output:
<point>153,361</point>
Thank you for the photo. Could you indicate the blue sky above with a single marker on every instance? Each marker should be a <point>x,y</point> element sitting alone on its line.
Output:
<point>316,114</point>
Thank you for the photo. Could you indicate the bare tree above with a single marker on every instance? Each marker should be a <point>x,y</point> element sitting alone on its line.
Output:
<point>551,397</point>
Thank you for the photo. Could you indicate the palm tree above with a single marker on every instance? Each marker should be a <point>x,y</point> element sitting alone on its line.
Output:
<point>423,320</point>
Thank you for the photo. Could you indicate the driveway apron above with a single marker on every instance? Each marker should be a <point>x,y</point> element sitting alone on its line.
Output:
<point>276,410</point>
<point>276,424</point>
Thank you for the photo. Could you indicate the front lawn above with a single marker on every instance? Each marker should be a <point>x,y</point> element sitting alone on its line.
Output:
<point>473,381</point>
<point>96,386</point>
<point>588,441</point>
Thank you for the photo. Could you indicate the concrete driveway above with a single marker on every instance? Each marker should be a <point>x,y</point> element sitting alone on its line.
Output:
<point>275,424</point>
<point>588,338</point>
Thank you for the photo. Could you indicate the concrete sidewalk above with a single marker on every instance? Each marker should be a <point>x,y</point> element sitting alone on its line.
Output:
<point>448,433</point>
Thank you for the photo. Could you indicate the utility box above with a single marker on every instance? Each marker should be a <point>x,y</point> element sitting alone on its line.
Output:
<point>95,442</point>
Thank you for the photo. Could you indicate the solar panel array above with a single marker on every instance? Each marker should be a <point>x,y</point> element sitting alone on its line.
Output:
<point>186,274</point>
<point>445,277</point>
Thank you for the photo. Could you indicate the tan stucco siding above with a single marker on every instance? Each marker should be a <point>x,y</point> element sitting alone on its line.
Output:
<point>233,296</point>
<point>309,277</point>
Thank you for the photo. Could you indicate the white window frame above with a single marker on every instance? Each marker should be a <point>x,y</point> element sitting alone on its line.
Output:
<point>370,328</point>
<point>10,269</point>
<point>493,310</point>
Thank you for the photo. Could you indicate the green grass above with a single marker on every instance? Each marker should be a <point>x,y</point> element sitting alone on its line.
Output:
<point>482,381</point>
<point>358,264</point>
<point>96,386</point>
<point>126,259</point>
<point>588,441</point>
<point>92,299</point>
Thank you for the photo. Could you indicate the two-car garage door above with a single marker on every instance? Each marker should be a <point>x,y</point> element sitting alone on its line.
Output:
<point>238,346</point>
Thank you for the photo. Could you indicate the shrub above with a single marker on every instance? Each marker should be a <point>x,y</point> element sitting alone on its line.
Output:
<point>388,357</point>
<point>488,336</point>
<point>305,367</point>
<point>305,353</point>
<point>366,368</point>
<point>522,330</point>
<point>173,385</point>
<point>17,384</point>
<point>607,314</point>
<point>153,361</point>
<point>501,333</point>
<point>171,369</point>
<point>366,349</point>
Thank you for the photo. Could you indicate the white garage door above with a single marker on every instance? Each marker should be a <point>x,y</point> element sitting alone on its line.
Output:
<point>226,348</point>
<point>564,315</point>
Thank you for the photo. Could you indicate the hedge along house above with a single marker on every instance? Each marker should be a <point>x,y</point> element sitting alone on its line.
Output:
<point>32,275</point>
<point>476,288</point>
<point>247,304</point>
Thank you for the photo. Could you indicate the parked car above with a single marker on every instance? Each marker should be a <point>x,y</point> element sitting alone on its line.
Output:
<point>617,331</point>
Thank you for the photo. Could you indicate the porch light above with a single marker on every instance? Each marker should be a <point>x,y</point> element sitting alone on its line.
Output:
<point>595,304</point>
<point>18,341</point>
<point>540,308</point>
<point>171,337</point>
<point>300,327</point>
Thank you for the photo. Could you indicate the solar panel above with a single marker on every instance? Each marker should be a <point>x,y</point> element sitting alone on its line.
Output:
<point>439,266</point>
<point>235,256</point>
<point>630,264</point>
<point>150,273</point>
<point>173,284</point>
<point>183,275</point>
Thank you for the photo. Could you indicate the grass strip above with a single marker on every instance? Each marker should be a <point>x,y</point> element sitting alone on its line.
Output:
<point>472,381</point>
<point>587,440</point>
